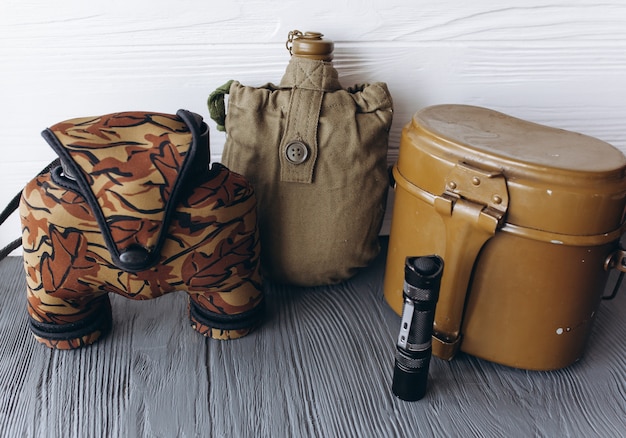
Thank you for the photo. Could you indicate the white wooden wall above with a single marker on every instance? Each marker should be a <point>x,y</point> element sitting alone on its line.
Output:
<point>556,62</point>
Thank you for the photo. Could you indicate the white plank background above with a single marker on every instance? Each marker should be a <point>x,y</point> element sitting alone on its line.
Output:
<point>556,62</point>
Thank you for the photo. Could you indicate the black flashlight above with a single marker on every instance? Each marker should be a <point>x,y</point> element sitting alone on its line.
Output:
<point>422,278</point>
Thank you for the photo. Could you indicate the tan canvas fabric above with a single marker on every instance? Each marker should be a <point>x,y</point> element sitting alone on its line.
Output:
<point>319,218</point>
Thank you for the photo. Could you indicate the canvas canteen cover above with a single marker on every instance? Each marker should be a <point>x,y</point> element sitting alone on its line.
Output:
<point>316,154</point>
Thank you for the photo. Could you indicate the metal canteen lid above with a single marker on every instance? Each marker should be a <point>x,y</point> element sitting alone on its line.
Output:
<point>310,45</point>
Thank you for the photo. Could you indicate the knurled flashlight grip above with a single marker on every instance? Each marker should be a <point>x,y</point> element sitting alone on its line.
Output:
<point>422,279</point>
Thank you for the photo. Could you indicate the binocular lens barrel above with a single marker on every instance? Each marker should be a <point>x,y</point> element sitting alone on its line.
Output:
<point>422,279</point>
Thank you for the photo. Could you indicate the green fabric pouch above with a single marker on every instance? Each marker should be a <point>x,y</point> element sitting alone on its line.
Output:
<point>316,155</point>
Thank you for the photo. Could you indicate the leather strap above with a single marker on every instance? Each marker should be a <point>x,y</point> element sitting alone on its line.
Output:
<point>11,207</point>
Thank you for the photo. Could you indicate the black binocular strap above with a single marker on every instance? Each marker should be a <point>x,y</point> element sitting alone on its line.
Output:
<point>11,207</point>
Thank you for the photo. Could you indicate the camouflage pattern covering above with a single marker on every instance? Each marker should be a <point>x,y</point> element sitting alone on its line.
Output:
<point>138,182</point>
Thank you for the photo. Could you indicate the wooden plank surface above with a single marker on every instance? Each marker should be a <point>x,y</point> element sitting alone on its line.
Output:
<point>321,365</point>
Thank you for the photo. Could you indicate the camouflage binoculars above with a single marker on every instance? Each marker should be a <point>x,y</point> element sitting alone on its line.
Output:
<point>133,208</point>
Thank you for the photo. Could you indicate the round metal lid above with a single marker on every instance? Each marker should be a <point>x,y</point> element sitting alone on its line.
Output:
<point>310,45</point>
<point>520,141</point>
<point>557,180</point>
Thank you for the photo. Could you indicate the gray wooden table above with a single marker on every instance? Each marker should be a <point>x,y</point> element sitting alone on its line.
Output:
<point>321,365</point>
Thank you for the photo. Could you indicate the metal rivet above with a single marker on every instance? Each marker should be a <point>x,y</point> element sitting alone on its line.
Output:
<point>452,185</point>
<point>476,181</point>
<point>496,199</point>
